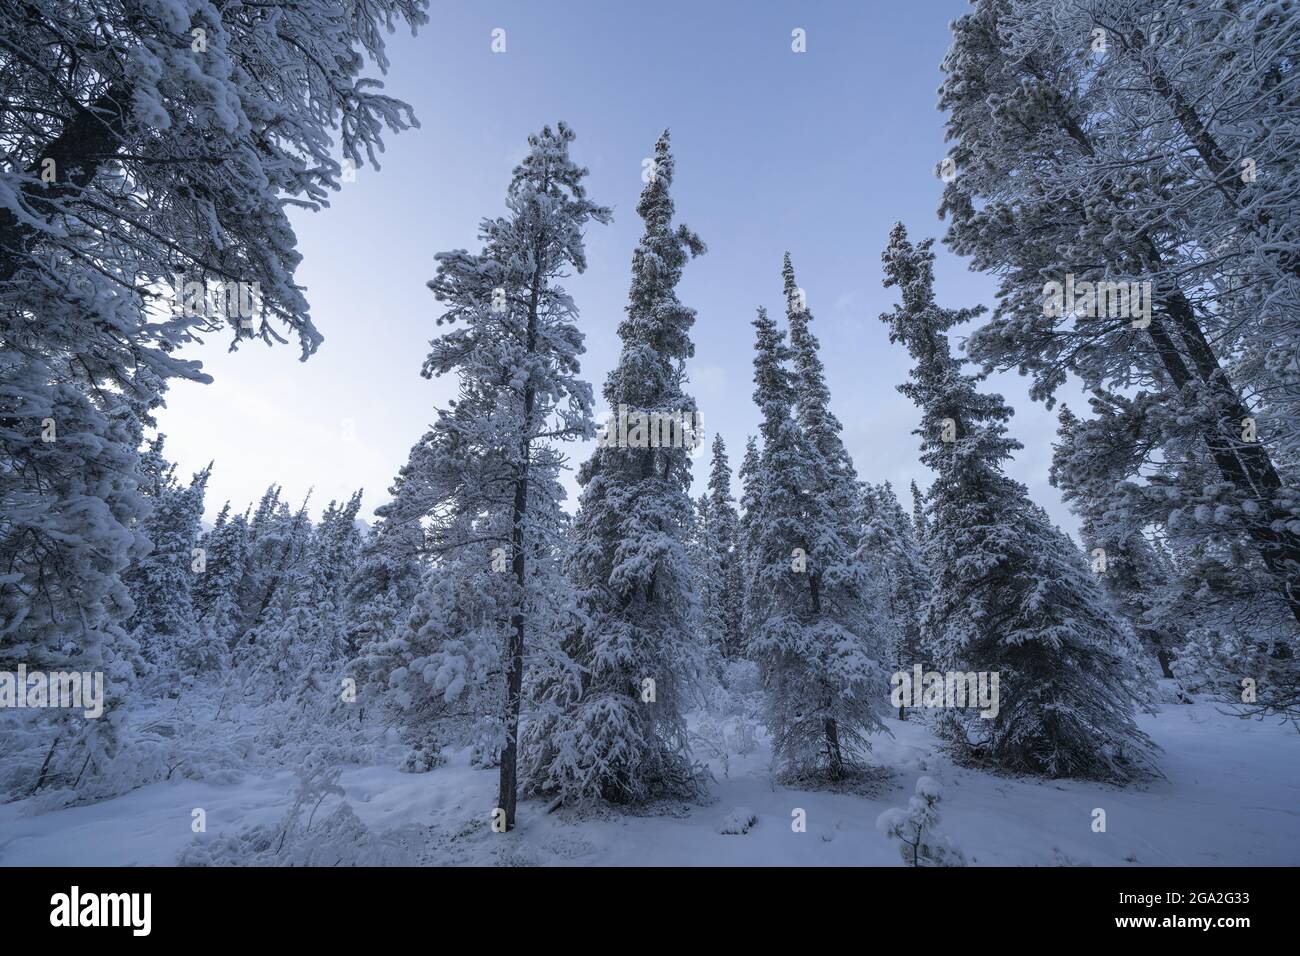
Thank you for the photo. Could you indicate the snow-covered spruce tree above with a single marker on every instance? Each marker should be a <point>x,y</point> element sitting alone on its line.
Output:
<point>1141,143</point>
<point>748,473</point>
<point>279,542</point>
<point>811,615</point>
<point>1125,561</point>
<point>719,558</point>
<point>216,588</point>
<point>919,525</point>
<point>484,481</point>
<point>1010,594</point>
<point>161,583</point>
<point>383,588</point>
<point>65,539</point>
<point>301,638</point>
<point>705,584</point>
<point>837,489</point>
<point>889,549</point>
<point>447,673</point>
<point>315,642</point>
<point>176,137</point>
<point>617,731</point>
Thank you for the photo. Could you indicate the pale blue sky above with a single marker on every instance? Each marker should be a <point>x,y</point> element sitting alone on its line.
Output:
<point>818,153</point>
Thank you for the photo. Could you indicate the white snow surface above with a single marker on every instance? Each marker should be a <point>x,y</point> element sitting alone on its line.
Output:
<point>1231,797</point>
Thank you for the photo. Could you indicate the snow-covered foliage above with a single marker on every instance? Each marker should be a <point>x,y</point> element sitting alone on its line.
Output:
<point>889,549</point>
<point>479,500</point>
<point>738,821</point>
<point>727,725</point>
<point>319,829</point>
<point>1147,143</point>
<point>814,618</point>
<point>717,559</point>
<point>154,152</point>
<point>1010,595</point>
<point>162,582</point>
<point>616,726</point>
<point>1130,568</point>
<point>920,842</point>
<point>148,146</point>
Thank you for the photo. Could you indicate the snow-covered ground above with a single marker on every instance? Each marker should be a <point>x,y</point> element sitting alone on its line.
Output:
<point>1232,797</point>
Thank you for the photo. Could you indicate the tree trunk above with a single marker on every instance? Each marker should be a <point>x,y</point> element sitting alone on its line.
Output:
<point>833,752</point>
<point>508,791</point>
<point>833,749</point>
<point>93,135</point>
<point>1247,466</point>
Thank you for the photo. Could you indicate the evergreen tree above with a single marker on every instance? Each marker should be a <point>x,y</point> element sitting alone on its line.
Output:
<point>279,542</point>
<point>302,639</point>
<point>65,541</point>
<point>147,145</point>
<point>1124,560</point>
<point>161,582</point>
<point>749,473</point>
<point>1119,142</point>
<point>216,589</point>
<point>808,602</point>
<point>1011,595</point>
<point>837,481</point>
<point>382,591</point>
<point>619,729</point>
<point>719,558</point>
<point>484,480</point>
<point>890,551</point>
<point>920,527</point>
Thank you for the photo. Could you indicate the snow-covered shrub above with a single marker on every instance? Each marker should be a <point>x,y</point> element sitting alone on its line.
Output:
<point>920,843</point>
<point>305,836</point>
<point>728,724</point>
<point>739,820</point>
<point>424,755</point>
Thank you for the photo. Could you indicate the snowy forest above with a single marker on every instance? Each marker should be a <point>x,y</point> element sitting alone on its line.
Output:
<point>791,661</point>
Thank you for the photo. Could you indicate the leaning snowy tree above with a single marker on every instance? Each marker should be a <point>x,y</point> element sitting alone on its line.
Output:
<point>812,617</point>
<point>489,479</point>
<point>1010,593</point>
<point>1106,141</point>
<point>147,146</point>
<point>618,729</point>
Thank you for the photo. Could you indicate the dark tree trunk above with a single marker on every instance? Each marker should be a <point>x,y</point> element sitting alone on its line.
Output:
<point>834,754</point>
<point>833,749</point>
<point>508,792</point>
<point>93,135</point>
<point>1247,466</point>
